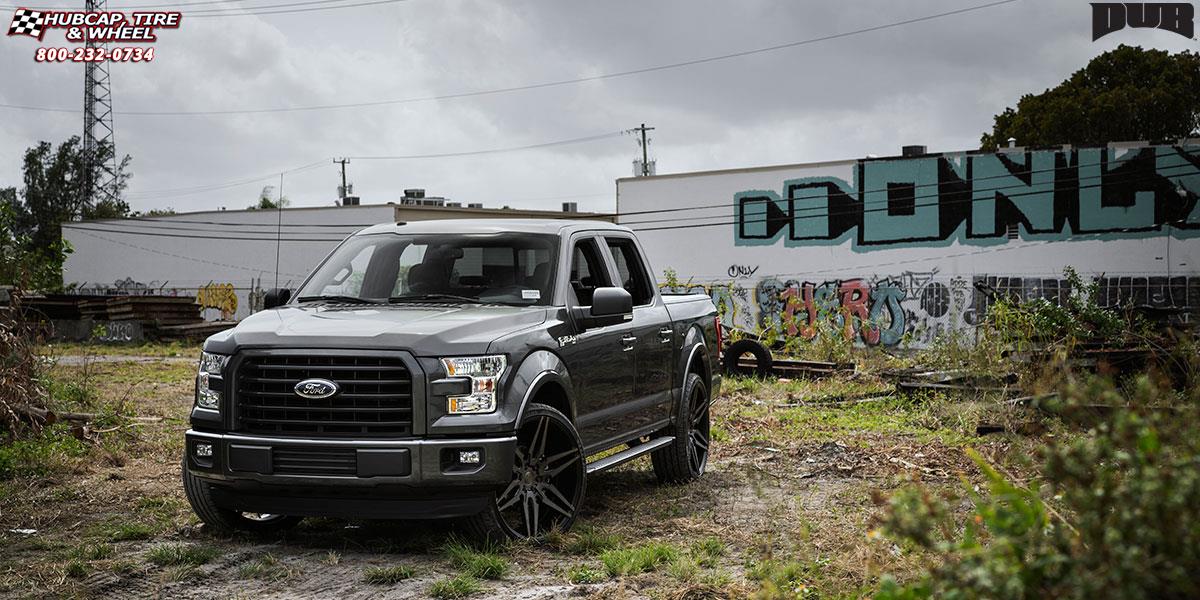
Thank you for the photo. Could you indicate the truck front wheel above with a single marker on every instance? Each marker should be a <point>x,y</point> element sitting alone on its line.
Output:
<point>547,483</point>
<point>686,458</point>
<point>199,495</point>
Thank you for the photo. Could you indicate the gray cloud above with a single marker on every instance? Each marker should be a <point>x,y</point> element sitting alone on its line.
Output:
<point>936,83</point>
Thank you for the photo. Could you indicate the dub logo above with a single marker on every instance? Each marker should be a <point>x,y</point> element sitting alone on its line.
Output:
<point>1110,17</point>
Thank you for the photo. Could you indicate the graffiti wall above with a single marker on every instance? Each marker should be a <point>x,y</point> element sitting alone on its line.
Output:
<point>901,251</point>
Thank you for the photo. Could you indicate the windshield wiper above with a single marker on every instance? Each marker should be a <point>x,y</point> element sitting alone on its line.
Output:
<point>336,298</point>
<point>433,297</point>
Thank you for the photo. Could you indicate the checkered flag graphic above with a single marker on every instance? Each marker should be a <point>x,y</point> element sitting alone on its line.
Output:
<point>27,22</point>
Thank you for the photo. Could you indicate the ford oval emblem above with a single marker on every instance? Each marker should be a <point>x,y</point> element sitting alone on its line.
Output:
<point>316,389</point>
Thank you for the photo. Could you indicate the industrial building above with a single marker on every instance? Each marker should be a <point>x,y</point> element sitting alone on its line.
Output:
<point>229,258</point>
<point>902,249</point>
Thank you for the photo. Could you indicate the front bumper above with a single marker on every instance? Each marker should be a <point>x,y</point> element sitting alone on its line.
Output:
<point>409,478</point>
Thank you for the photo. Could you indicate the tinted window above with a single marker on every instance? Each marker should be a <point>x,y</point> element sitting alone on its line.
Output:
<point>630,270</point>
<point>587,271</point>
<point>507,268</point>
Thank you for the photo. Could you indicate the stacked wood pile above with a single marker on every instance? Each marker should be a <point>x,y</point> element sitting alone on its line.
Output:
<point>158,311</point>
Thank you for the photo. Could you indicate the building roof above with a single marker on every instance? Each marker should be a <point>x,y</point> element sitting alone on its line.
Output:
<point>543,226</point>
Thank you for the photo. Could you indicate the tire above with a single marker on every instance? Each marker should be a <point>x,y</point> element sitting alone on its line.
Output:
<point>548,483</point>
<point>762,359</point>
<point>224,520</point>
<point>686,458</point>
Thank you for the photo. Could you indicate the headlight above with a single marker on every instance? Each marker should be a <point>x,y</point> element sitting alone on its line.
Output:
<point>484,372</point>
<point>209,381</point>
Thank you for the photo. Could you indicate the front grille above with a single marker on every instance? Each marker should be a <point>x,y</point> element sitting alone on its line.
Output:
<point>314,461</point>
<point>374,397</point>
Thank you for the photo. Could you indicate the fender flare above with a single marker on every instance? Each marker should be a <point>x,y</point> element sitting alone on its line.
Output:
<point>539,369</point>
<point>693,349</point>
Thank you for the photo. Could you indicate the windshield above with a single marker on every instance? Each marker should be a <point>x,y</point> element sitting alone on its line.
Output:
<point>504,268</point>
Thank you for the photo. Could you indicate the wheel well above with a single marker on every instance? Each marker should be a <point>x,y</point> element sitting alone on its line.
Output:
<point>553,395</point>
<point>697,366</point>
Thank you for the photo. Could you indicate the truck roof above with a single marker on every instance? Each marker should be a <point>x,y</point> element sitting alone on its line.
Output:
<point>543,226</point>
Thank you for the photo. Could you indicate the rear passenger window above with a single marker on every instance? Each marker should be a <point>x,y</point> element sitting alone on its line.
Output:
<point>633,275</point>
<point>587,271</point>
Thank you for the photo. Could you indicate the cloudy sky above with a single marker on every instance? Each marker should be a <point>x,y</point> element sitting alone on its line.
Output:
<point>935,82</point>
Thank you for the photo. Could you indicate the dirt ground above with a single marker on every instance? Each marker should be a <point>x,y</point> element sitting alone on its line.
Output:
<point>789,490</point>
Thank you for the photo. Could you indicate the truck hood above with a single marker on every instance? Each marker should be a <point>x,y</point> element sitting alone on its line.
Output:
<point>426,330</point>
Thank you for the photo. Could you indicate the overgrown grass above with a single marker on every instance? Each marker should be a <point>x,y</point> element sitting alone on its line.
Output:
<point>482,563</point>
<point>459,586</point>
<point>590,540</point>
<point>387,575</point>
<point>638,559</point>
<point>50,450</point>
<point>181,554</point>
<point>126,531</point>
<point>581,574</point>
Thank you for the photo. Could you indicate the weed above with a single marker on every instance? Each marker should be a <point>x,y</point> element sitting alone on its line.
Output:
<point>684,568</point>
<point>485,563</point>
<point>459,586</point>
<point>123,567</point>
<point>785,580</point>
<point>585,574</point>
<point>591,540</point>
<point>93,551</point>
<point>76,569</point>
<point>708,550</point>
<point>181,573</point>
<point>128,531</point>
<point>181,554</point>
<point>639,559</point>
<point>266,567</point>
<point>49,450</point>
<point>387,575</point>
<point>332,558</point>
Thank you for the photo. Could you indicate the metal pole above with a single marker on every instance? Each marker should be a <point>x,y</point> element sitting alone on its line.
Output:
<point>278,227</point>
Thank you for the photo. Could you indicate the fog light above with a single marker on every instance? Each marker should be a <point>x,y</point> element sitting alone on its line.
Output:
<point>204,450</point>
<point>468,457</point>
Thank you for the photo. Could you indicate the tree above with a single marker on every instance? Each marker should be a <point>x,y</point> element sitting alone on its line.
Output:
<point>1126,94</point>
<point>54,192</point>
<point>266,203</point>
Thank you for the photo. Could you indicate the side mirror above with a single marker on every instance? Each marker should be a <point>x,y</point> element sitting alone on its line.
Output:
<point>276,297</point>
<point>610,306</point>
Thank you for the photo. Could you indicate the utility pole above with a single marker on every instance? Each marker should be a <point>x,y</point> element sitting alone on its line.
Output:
<point>645,158</point>
<point>342,191</point>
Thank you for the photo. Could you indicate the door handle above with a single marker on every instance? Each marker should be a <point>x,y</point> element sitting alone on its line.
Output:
<point>665,335</point>
<point>627,342</point>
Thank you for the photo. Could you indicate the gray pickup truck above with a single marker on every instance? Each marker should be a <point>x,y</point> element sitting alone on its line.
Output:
<point>470,369</point>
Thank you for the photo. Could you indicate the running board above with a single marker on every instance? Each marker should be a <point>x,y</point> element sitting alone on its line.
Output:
<point>629,454</point>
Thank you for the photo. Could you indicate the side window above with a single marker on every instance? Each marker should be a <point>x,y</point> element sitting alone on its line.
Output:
<point>630,270</point>
<point>587,271</point>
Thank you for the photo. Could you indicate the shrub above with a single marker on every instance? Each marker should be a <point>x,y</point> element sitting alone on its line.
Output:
<point>1123,519</point>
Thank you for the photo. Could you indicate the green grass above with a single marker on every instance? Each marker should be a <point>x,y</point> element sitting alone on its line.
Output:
<point>585,574</point>
<point>708,551</point>
<point>181,554</point>
<point>76,569</point>
<point>787,579</point>
<point>127,531</point>
<point>460,586</point>
<point>387,575</point>
<point>638,559</point>
<point>485,563</point>
<point>93,551</point>
<point>591,540</point>
<point>42,454</point>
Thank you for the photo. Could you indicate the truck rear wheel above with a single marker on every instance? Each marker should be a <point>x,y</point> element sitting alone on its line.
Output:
<point>686,458</point>
<point>547,484</point>
<point>199,495</point>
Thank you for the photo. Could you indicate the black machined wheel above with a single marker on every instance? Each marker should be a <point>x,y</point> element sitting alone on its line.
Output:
<point>686,458</point>
<point>547,484</point>
<point>199,495</point>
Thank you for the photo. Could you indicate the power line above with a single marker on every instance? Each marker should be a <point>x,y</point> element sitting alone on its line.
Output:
<point>169,223</point>
<point>245,11</point>
<point>851,210</point>
<point>547,84</point>
<point>186,191</point>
